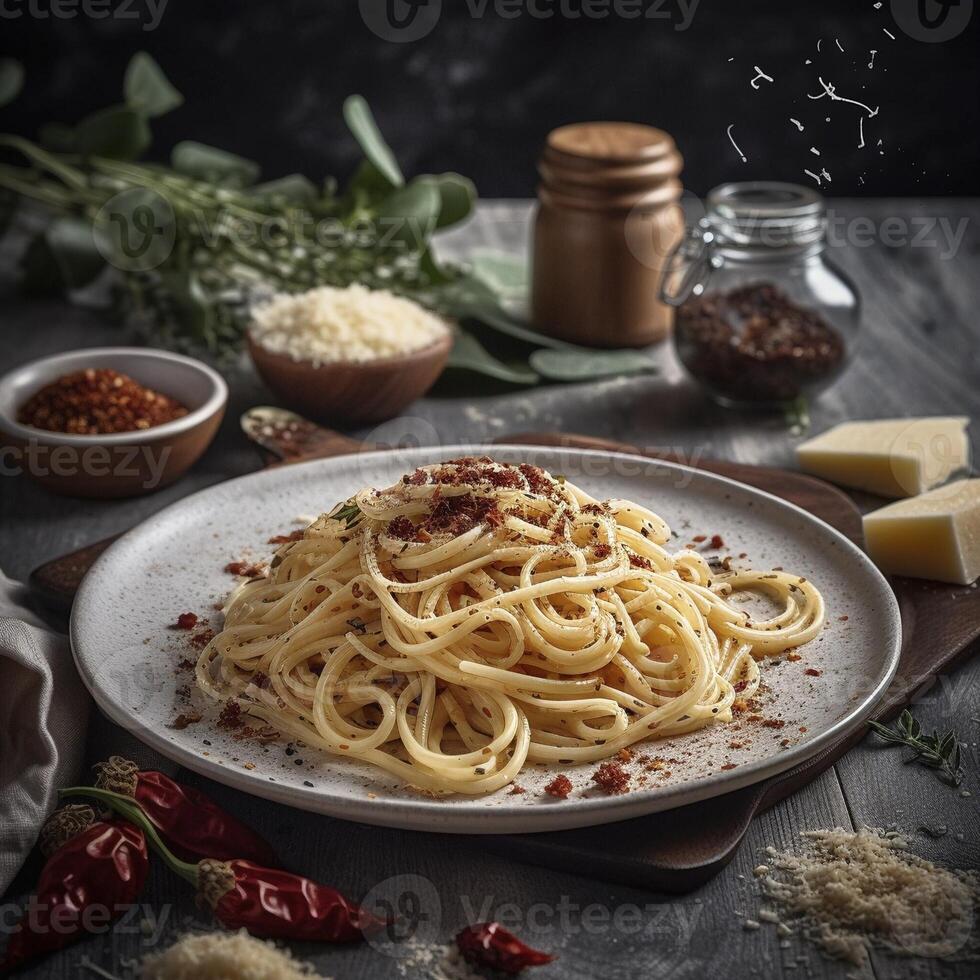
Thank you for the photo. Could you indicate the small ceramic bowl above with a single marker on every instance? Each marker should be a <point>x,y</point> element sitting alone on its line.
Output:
<point>120,464</point>
<point>352,391</point>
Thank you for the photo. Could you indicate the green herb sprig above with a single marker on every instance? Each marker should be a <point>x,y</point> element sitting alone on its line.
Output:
<point>348,512</point>
<point>939,752</point>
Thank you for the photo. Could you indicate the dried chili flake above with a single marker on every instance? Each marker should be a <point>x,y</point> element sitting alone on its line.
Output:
<point>202,639</point>
<point>602,551</point>
<point>717,541</point>
<point>98,401</point>
<point>638,561</point>
<point>185,621</point>
<point>296,535</point>
<point>402,529</point>
<point>231,715</point>
<point>611,777</point>
<point>245,568</point>
<point>812,672</point>
<point>559,787</point>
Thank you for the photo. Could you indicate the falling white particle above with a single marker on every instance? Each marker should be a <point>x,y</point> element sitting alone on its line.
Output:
<point>819,42</point>
<point>877,6</point>
<point>808,62</point>
<point>830,90</point>
<point>732,138</point>
<point>825,175</point>
<point>731,59</point>
<point>759,77</point>
<point>839,48</point>
<point>814,151</point>
<point>816,177</point>
<point>796,123</point>
<point>889,33</point>
<point>871,63</point>
<point>861,132</point>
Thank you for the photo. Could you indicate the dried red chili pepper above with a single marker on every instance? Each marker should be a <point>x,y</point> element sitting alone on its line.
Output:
<point>89,879</point>
<point>490,944</point>
<point>266,902</point>
<point>279,905</point>
<point>191,824</point>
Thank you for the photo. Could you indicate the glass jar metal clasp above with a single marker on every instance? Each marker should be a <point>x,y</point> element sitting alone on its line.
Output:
<point>689,265</point>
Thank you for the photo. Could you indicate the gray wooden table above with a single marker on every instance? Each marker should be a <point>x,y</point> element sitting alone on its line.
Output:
<point>917,264</point>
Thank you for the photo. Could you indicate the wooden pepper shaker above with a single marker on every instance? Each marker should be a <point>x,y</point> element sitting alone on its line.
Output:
<point>608,219</point>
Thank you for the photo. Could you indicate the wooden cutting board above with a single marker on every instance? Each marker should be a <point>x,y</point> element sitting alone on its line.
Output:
<point>680,849</point>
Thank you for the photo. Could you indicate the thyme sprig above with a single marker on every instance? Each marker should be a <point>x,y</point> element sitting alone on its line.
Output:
<point>939,752</point>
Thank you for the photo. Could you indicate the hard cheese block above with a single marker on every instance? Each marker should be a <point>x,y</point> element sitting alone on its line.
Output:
<point>934,536</point>
<point>890,457</point>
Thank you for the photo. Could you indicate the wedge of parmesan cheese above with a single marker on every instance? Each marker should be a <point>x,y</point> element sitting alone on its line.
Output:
<point>935,536</point>
<point>890,457</point>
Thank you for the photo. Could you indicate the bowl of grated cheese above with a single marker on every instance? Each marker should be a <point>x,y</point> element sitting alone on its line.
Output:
<point>347,355</point>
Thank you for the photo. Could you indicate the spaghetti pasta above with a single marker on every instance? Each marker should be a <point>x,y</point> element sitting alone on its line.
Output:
<point>480,616</point>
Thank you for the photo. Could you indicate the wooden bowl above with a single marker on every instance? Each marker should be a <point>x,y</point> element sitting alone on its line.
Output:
<point>118,464</point>
<point>352,391</point>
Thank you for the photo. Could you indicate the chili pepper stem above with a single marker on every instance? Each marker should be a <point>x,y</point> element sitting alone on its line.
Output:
<point>126,807</point>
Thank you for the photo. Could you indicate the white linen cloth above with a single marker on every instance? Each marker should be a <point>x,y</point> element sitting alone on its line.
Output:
<point>44,711</point>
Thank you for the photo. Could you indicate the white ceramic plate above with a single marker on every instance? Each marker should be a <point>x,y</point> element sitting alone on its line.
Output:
<point>174,563</point>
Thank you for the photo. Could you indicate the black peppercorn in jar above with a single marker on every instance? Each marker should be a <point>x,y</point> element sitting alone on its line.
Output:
<point>763,318</point>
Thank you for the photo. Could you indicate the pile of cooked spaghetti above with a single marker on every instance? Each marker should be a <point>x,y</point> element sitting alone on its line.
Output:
<point>479,616</point>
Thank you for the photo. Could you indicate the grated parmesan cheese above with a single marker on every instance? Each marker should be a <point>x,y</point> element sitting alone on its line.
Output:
<point>325,325</point>
<point>854,891</point>
<point>223,956</point>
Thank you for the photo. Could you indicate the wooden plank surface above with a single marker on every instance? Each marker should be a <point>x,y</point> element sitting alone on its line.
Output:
<point>921,355</point>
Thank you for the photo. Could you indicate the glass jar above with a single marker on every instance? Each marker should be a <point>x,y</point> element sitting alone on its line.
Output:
<point>763,318</point>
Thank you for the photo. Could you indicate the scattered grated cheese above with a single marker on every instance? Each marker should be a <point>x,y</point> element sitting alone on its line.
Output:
<point>854,891</point>
<point>325,325</point>
<point>220,956</point>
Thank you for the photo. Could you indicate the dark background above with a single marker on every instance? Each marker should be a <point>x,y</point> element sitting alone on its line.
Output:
<point>266,79</point>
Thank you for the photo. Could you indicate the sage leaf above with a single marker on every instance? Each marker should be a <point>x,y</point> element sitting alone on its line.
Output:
<point>505,274</point>
<point>457,195</point>
<point>11,80</point>
<point>146,88</point>
<point>470,355</point>
<point>367,188</point>
<point>209,163</point>
<point>410,215</point>
<point>360,121</point>
<point>119,132</point>
<point>583,364</point>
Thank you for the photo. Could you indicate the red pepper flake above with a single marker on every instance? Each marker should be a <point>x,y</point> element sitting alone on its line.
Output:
<point>741,686</point>
<point>296,535</point>
<point>185,621</point>
<point>402,529</point>
<point>602,551</point>
<point>793,657</point>
<point>812,672</point>
<point>559,787</point>
<point>184,719</point>
<point>202,639</point>
<point>98,401</point>
<point>637,561</point>
<point>537,480</point>
<point>773,723</point>
<point>231,715</point>
<point>842,619</point>
<point>185,664</point>
<point>625,755</point>
<point>244,568</point>
<point>516,790</point>
<point>727,766</point>
<point>698,538</point>
<point>611,777</point>
<point>717,541</point>
<point>489,944</point>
